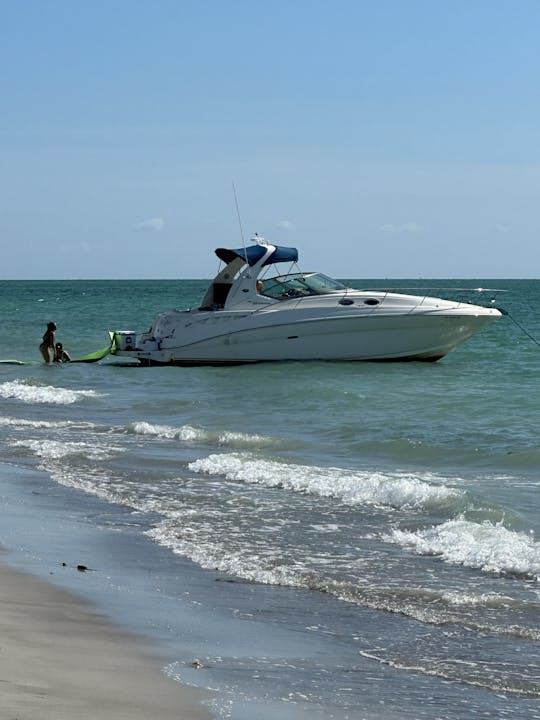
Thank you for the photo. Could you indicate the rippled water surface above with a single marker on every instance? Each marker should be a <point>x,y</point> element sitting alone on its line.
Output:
<point>375,525</point>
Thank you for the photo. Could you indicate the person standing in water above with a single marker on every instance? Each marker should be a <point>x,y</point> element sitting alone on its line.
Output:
<point>47,345</point>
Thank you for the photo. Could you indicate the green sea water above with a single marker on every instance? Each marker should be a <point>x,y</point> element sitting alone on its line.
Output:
<point>367,534</point>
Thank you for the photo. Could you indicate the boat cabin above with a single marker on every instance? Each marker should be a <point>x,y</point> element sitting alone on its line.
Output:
<point>236,283</point>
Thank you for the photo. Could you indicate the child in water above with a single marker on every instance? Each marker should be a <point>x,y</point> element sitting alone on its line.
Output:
<point>60,355</point>
<point>47,343</point>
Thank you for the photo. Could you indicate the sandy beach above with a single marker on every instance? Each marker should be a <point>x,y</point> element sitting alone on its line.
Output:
<point>60,660</point>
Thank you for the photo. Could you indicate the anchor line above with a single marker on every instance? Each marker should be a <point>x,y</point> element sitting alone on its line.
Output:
<point>520,326</point>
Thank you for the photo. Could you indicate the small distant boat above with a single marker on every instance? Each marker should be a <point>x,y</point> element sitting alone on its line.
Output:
<point>249,315</point>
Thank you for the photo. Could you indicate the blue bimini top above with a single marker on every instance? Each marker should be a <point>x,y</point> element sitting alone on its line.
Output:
<point>254,253</point>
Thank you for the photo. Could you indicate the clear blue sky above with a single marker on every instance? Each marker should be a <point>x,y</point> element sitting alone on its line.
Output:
<point>383,138</point>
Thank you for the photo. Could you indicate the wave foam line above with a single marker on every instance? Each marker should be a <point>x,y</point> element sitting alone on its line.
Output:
<point>185,433</point>
<point>396,490</point>
<point>188,433</point>
<point>487,546</point>
<point>55,450</point>
<point>451,670</point>
<point>269,567</point>
<point>433,607</point>
<point>49,424</point>
<point>96,481</point>
<point>211,553</point>
<point>30,392</point>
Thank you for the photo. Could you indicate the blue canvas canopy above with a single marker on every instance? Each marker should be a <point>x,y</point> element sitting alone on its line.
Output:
<point>254,253</point>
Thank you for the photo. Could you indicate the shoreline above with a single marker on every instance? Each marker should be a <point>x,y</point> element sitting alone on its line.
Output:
<point>59,658</point>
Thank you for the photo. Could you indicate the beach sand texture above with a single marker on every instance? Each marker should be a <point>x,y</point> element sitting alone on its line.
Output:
<point>59,660</point>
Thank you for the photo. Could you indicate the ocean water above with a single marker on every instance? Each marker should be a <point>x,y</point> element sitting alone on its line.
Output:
<point>333,540</point>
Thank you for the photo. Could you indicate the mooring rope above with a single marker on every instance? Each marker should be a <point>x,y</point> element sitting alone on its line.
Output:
<point>523,330</point>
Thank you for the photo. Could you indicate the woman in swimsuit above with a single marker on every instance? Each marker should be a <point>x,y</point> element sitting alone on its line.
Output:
<point>47,344</point>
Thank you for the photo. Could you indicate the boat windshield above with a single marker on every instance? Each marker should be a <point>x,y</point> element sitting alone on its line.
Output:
<point>283,287</point>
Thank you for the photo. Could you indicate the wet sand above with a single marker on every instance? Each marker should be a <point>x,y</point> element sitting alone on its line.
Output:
<point>61,660</point>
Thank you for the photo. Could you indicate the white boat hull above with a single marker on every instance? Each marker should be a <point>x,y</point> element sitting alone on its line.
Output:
<point>413,337</point>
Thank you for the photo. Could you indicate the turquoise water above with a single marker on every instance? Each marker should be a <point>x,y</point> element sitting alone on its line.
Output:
<point>350,540</point>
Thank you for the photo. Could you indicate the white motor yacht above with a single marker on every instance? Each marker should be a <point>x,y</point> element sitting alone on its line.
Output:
<point>249,315</point>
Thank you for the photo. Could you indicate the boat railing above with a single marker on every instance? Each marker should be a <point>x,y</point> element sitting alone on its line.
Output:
<point>460,295</point>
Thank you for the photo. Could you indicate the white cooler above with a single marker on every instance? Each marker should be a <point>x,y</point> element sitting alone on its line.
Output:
<point>125,339</point>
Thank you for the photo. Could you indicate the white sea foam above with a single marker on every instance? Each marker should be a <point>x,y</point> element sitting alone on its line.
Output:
<point>35,424</point>
<point>244,439</point>
<point>33,393</point>
<point>185,432</point>
<point>55,450</point>
<point>211,553</point>
<point>487,546</point>
<point>97,481</point>
<point>188,433</point>
<point>456,669</point>
<point>397,490</point>
<point>46,424</point>
<point>459,598</point>
<point>261,563</point>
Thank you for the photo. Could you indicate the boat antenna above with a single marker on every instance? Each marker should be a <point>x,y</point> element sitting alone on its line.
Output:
<point>240,222</point>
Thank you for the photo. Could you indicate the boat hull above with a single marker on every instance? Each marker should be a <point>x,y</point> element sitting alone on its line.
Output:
<point>426,337</point>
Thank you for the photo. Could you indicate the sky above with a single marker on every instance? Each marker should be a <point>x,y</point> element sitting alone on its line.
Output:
<point>382,138</point>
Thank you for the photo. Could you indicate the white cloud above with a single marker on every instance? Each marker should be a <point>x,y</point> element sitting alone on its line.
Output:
<point>501,228</point>
<point>151,225</point>
<point>285,225</point>
<point>81,247</point>
<point>408,227</point>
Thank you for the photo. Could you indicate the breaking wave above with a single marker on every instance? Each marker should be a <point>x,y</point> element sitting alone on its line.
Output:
<point>28,391</point>
<point>270,565</point>
<point>395,490</point>
<point>55,450</point>
<point>486,546</point>
<point>184,433</point>
<point>48,424</point>
<point>188,433</point>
